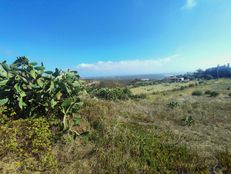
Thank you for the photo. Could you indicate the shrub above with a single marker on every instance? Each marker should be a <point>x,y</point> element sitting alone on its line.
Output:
<point>112,94</point>
<point>140,96</point>
<point>207,92</point>
<point>214,94</point>
<point>196,93</point>
<point>30,142</point>
<point>173,104</point>
<point>29,90</point>
<point>3,117</point>
<point>188,120</point>
<point>229,94</point>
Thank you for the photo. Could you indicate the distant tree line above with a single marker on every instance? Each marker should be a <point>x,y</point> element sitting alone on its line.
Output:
<point>211,73</point>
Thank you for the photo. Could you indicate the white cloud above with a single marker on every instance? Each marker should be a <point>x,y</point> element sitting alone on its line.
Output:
<point>189,4</point>
<point>171,64</point>
<point>137,66</point>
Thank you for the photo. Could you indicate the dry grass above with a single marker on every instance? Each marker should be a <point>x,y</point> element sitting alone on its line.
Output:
<point>211,130</point>
<point>121,127</point>
<point>150,89</point>
<point>150,135</point>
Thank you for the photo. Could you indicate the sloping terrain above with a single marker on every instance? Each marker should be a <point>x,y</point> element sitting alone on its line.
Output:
<point>169,131</point>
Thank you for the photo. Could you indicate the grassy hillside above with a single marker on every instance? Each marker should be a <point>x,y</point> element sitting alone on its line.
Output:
<point>169,131</point>
<point>212,115</point>
<point>152,89</point>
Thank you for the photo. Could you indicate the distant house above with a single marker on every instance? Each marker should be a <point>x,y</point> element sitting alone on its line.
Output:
<point>180,79</point>
<point>93,83</point>
<point>144,79</point>
<point>173,78</point>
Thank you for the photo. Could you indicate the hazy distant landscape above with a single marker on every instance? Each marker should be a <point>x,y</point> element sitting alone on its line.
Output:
<point>132,77</point>
<point>178,124</point>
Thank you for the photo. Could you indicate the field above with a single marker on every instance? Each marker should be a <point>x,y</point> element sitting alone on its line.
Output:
<point>152,89</point>
<point>211,130</point>
<point>169,131</point>
<point>124,127</point>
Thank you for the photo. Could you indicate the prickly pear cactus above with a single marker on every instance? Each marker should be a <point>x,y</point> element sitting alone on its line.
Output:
<point>29,90</point>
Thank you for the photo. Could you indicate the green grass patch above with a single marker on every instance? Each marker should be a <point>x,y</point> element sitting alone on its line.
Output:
<point>130,148</point>
<point>214,94</point>
<point>27,141</point>
<point>197,93</point>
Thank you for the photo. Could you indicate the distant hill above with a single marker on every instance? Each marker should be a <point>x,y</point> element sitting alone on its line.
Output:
<point>132,77</point>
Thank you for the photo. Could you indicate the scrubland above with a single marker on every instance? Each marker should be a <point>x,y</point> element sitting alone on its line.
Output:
<point>167,131</point>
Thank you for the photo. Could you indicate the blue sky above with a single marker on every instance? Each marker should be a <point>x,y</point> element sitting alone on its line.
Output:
<point>117,37</point>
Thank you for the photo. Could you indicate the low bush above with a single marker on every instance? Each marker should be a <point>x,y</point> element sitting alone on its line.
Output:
<point>139,96</point>
<point>197,93</point>
<point>173,104</point>
<point>112,93</point>
<point>229,94</point>
<point>3,117</point>
<point>188,120</point>
<point>28,141</point>
<point>214,94</point>
<point>207,92</point>
<point>191,85</point>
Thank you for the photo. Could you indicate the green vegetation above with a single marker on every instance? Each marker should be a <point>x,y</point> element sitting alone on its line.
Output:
<point>214,94</point>
<point>134,149</point>
<point>173,104</point>
<point>188,120</point>
<point>197,93</point>
<point>27,144</point>
<point>211,73</point>
<point>162,87</point>
<point>112,93</point>
<point>47,125</point>
<point>28,90</point>
<point>130,147</point>
<point>207,92</point>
